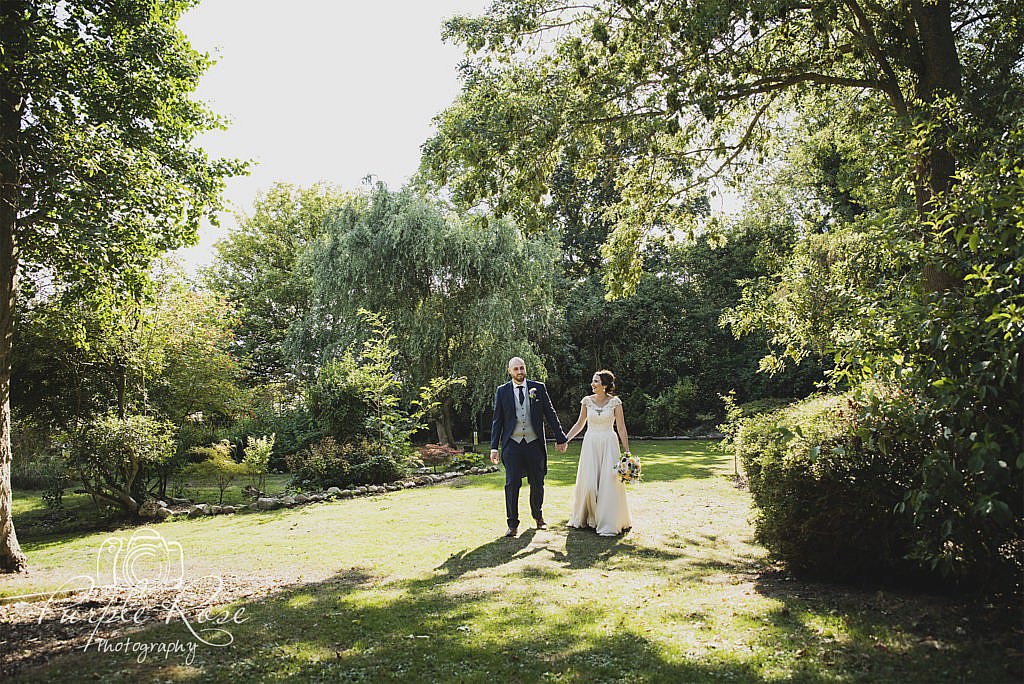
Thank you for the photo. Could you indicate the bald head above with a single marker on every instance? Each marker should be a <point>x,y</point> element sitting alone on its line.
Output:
<point>517,369</point>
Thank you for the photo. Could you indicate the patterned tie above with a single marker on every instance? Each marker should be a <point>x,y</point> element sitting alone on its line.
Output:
<point>522,397</point>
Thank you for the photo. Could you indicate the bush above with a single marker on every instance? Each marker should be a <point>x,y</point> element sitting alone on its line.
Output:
<point>330,464</point>
<point>379,468</point>
<point>435,455</point>
<point>827,495</point>
<point>114,457</point>
<point>214,464</point>
<point>257,459</point>
<point>337,400</point>
<point>293,431</point>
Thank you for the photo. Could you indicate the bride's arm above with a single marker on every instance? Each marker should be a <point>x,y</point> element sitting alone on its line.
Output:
<point>578,427</point>
<point>620,425</point>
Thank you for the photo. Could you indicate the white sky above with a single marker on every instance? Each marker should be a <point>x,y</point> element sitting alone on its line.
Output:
<point>322,90</point>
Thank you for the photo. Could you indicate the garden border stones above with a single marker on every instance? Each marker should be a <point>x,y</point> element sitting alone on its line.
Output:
<point>159,510</point>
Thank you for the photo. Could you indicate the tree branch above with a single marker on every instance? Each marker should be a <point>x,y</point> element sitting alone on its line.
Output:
<point>892,83</point>
<point>774,84</point>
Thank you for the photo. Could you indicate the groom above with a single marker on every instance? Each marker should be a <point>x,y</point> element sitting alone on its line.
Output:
<point>520,406</point>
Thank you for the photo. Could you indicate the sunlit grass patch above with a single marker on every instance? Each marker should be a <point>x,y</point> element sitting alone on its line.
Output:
<point>419,585</point>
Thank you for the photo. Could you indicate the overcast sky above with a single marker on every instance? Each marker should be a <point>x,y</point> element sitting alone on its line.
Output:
<point>322,89</point>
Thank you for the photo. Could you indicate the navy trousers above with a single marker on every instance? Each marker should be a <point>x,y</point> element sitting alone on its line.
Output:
<point>523,459</point>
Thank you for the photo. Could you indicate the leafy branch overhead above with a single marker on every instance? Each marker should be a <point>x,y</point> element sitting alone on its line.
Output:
<point>680,94</point>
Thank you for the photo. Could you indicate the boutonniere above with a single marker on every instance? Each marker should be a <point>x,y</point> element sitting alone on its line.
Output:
<point>533,393</point>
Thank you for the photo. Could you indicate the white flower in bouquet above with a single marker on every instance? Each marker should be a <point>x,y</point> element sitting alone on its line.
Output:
<point>628,468</point>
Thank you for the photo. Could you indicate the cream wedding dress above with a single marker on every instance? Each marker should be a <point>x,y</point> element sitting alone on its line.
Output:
<point>599,500</point>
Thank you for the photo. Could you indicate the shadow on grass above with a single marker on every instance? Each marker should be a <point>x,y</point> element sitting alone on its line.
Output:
<point>357,627</point>
<point>940,638</point>
<point>489,555</point>
<point>412,630</point>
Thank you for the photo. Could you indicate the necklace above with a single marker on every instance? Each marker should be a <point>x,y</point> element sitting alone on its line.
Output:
<point>600,409</point>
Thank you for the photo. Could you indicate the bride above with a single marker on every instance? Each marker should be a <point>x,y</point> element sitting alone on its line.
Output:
<point>599,500</point>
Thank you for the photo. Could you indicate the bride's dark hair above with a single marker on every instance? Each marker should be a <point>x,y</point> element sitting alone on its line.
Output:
<point>608,380</point>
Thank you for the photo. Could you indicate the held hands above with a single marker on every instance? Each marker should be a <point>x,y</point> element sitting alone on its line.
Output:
<point>494,456</point>
<point>561,447</point>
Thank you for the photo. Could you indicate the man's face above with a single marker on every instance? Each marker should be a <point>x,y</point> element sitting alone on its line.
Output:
<point>517,369</point>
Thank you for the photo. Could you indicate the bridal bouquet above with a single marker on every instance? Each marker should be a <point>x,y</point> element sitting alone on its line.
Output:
<point>628,468</point>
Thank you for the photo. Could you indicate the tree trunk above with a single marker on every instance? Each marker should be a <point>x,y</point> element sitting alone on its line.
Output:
<point>11,557</point>
<point>12,102</point>
<point>939,76</point>
<point>445,434</point>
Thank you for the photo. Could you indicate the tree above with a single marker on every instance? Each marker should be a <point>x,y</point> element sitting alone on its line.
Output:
<point>98,170</point>
<point>257,269</point>
<point>194,330</point>
<point>217,466</point>
<point>257,459</point>
<point>664,342</point>
<point>887,114</point>
<point>114,457</point>
<point>82,353</point>
<point>694,91</point>
<point>462,298</point>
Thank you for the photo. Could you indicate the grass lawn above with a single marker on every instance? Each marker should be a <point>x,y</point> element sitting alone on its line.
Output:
<point>418,585</point>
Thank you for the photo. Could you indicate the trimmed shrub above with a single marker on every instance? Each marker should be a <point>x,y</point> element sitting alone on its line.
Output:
<point>829,499</point>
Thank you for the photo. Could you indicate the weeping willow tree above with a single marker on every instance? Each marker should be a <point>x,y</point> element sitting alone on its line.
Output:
<point>463,297</point>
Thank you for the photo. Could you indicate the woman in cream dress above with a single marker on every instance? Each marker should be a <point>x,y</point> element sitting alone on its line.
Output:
<point>599,500</point>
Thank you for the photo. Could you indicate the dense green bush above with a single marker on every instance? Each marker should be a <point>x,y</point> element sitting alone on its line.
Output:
<point>337,400</point>
<point>670,412</point>
<point>115,457</point>
<point>294,430</point>
<point>828,494</point>
<point>964,352</point>
<point>328,463</point>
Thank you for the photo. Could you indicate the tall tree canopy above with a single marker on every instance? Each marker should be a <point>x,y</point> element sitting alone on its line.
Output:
<point>98,170</point>
<point>257,269</point>
<point>463,299</point>
<point>862,128</point>
<point>697,90</point>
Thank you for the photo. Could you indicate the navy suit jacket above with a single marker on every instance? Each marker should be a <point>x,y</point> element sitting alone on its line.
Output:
<point>504,421</point>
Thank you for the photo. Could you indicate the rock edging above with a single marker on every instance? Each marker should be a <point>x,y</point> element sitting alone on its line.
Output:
<point>159,510</point>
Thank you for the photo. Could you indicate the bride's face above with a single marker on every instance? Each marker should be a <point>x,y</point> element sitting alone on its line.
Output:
<point>596,384</point>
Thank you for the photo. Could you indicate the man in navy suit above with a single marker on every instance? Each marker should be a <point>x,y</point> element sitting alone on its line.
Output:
<point>520,407</point>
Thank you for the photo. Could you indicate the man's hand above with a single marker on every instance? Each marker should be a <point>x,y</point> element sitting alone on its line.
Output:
<point>494,456</point>
<point>561,447</point>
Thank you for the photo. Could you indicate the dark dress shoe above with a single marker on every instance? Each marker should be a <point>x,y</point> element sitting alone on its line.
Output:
<point>511,532</point>
<point>541,524</point>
